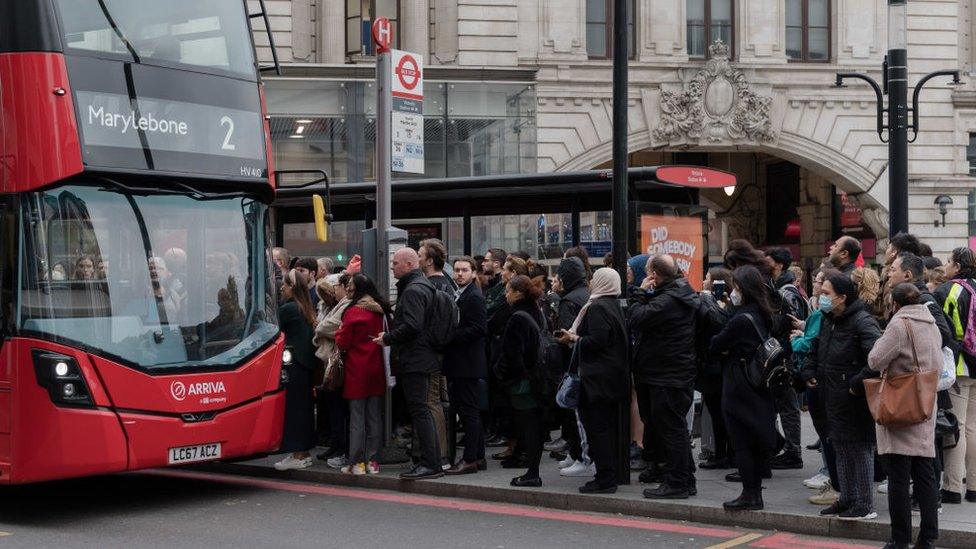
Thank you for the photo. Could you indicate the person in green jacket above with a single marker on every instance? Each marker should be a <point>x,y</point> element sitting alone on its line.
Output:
<point>801,340</point>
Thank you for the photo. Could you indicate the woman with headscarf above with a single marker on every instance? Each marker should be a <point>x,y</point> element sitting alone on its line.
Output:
<point>599,335</point>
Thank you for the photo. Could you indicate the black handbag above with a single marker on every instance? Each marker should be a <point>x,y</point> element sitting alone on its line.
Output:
<point>767,370</point>
<point>947,427</point>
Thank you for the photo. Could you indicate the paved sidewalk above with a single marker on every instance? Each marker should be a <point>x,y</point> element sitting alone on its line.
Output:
<point>785,497</point>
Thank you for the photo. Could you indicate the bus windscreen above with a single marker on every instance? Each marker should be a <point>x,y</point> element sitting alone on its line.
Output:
<point>159,282</point>
<point>211,35</point>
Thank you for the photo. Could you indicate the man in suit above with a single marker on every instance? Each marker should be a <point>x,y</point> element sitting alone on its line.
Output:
<point>465,366</point>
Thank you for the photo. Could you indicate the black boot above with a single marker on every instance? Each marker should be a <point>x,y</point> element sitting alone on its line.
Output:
<point>749,500</point>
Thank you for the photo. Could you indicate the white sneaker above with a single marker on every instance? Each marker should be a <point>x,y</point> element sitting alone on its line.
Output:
<point>883,487</point>
<point>579,469</point>
<point>357,469</point>
<point>338,462</point>
<point>566,462</point>
<point>291,463</point>
<point>817,482</point>
<point>558,445</point>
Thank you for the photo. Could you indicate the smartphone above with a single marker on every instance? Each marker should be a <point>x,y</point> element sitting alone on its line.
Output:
<point>718,289</point>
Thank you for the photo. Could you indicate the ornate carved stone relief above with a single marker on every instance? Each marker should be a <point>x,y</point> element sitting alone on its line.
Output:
<point>716,105</point>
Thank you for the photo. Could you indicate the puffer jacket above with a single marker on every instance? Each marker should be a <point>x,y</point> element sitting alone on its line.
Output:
<point>838,361</point>
<point>665,322</point>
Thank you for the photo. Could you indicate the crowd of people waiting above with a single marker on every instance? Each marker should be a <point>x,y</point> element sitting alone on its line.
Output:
<point>510,356</point>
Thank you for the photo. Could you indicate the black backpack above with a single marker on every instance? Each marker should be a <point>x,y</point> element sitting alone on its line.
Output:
<point>769,368</point>
<point>443,320</point>
<point>548,369</point>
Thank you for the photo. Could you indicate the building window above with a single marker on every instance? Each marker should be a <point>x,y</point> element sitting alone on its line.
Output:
<point>708,21</point>
<point>360,15</point>
<point>808,30</point>
<point>599,29</point>
<point>971,154</point>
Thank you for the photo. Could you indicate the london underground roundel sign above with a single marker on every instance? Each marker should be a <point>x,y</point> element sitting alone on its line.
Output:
<point>408,72</point>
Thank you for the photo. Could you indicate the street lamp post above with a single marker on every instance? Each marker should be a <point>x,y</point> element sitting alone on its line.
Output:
<point>621,200</point>
<point>895,86</point>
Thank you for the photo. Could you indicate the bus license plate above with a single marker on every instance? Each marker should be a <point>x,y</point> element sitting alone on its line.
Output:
<point>190,454</point>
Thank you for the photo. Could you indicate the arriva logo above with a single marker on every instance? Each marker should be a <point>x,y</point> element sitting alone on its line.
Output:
<point>180,391</point>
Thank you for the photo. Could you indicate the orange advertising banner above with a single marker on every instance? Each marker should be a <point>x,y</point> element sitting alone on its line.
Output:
<point>681,238</point>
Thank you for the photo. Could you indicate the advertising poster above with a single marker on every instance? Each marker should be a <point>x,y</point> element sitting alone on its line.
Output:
<point>680,237</point>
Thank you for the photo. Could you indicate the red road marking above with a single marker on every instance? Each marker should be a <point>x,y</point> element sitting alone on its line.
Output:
<point>460,505</point>
<point>774,541</point>
<point>791,541</point>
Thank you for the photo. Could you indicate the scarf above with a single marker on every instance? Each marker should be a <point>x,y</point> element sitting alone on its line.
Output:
<point>605,283</point>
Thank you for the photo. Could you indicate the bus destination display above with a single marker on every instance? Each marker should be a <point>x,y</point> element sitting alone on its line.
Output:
<point>153,126</point>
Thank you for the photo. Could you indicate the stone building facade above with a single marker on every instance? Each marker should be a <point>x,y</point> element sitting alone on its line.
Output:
<point>741,85</point>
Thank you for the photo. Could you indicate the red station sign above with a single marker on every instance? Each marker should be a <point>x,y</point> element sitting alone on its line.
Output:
<point>693,176</point>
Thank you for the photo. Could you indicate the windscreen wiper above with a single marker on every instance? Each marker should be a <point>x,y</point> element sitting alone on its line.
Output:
<point>180,189</point>
<point>118,31</point>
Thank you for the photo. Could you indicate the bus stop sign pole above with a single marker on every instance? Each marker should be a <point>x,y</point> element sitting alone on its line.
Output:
<point>382,34</point>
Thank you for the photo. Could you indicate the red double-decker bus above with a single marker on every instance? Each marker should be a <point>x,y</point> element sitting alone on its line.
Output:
<point>137,307</point>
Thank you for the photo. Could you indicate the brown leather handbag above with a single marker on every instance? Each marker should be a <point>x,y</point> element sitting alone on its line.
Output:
<point>905,399</point>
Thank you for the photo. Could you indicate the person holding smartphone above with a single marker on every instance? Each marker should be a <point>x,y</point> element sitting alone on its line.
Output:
<point>714,314</point>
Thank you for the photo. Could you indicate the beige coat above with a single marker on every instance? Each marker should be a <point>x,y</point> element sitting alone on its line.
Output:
<point>325,330</point>
<point>893,352</point>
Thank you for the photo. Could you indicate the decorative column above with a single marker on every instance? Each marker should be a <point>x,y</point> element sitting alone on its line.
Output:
<point>562,29</point>
<point>415,27</point>
<point>331,36</point>
<point>761,31</point>
<point>860,27</point>
<point>664,36</point>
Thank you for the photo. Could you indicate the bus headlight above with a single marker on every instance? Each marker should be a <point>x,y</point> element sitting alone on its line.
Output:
<point>61,377</point>
<point>286,357</point>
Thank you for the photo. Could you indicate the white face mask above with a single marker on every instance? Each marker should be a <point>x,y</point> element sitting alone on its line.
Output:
<point>735,297</point>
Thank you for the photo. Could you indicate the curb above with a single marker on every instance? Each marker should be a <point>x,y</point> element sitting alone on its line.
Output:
<point>766,520</point>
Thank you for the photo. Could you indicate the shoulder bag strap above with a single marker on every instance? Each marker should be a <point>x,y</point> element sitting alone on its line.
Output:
<point>755,325</point>
<point>911,338</point>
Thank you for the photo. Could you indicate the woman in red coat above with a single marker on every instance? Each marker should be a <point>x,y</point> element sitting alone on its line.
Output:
<point>365,375</point>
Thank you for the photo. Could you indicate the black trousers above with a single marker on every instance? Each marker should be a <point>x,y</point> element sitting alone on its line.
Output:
<point>669,411</point>
<point>415,388</point>
<point>600,421</point>
<point>788,409</point>
<point>338,416</point>
<point>723,447</point>
<point>465,393</point>
<point>920,470</point>
<point>818,413</point>
<point>570,432</point>
<point>652,453</point>
<point>529,425</point>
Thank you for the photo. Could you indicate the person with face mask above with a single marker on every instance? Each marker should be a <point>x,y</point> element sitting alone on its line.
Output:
<point>749,412</point>
<point>836,365</point>
<point>801,340</point>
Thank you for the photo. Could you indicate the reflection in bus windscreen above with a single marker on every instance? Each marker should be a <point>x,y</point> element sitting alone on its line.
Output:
<point>209,34</point>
